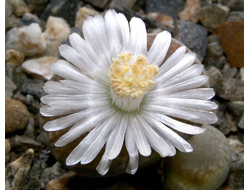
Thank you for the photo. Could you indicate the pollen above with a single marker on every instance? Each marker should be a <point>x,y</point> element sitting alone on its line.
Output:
<point>131,76</point>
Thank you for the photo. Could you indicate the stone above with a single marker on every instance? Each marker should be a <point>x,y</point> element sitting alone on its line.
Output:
<point>98,3</point>
<point>242,73</point>
<point>7,150</point>
<point>241,122</point>
<point>31,131</point>
<point>118,4</point>
<point>190,11</point>
<point>33,87</point>
<point>214,75</point>
<point>230,72</point>
<point>235,178</point>
<point>167,7</point>
<point>13,21</point>
<point>19,7</point>
<point>236,16</point>
<point>40,67</point>
<point>162,19</point>
<point>9,87</point>
<point>8,11</point>
<point>205,2</point>
<point>57,30</point>
<point>234,5</point>
<point>205,168</point>
<point>51,173</point>
<point>22,143</point>
<point>61,182</point>
<point>29,18</point>
<point>26,39</point>
<point>61,8</point>
<point>82,14</point>
<point>16,115</point>
<point>14,56</point>
<point>236,108</point>
<point>192,35</point>
<point>230,89</point>
<point>16,174</point>
<point>232,40</point>
<point>37,6</point>
<point>212,16</point>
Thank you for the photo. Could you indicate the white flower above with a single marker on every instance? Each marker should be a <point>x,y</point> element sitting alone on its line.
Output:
<point>120,93</point>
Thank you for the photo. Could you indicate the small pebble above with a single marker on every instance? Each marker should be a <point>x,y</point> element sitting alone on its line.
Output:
<point>14,56</point>
<point>9,87</point>
<point>82,14</point>
<point>162,19</point>
<point>19,7</point>
<point>214,75</point>
<point>190,11</point>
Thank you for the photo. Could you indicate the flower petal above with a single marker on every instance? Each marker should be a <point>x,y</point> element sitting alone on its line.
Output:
<point>104,165</point>
<point>160,145</point>
<point>138,37</point>
<point>139,136</point>
<point>172,60</point>
<point>132,151</point>
<point>84,126</point>
<point>159,48</point>
<point>53,87</point>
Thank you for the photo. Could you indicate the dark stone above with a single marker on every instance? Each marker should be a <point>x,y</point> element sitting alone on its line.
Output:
<point>236,108</point>
<point>36,6</point>
<point>230,72</point>
<point>33,87</point>
<point>22,143</point>
<point>234,5</point>
<point>236,16</point>
<point>29,18</point>
<point>167,7</point>
<point>192,35</point>
<point>230,89</point>
<point>61,8</point>
<point>101,4</point>
<point>214,75</point>
<point>9,87</point>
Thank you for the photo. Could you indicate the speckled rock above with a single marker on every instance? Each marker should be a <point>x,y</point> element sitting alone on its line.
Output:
<point>8,11</point>
<point>27,39</point>
<point>33,87</point>
<point>236,16</point>
<point>82,14</point>
<point>234,5</point>
<point>57,30</point>
<point>241,122</point>
<point>117,4</point>
<point>19,7</point>
<point>230,89</point>
<point>9,87</point>
<point>29,18</point>
<point>7,150</point>
<point>212,16</point>
<point>16,115</point>
<point>236,108</point>
<point>235,178</point>
<point>14,56</point>
<point>192,35</point>
<point>98,3</point>
<point>51,173</point>
<point>40,67</point>
<point>232,40</point>
<point>22,143</point>
<point>162,19</point>
<point>230,72</point>
<point>61,8</point>
<point>17,172</point>
<point>214,75</point>
<point>167,7</point>
<point>205,168</point>
<point>190,11</point>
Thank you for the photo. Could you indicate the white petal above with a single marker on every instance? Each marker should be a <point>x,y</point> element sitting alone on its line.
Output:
<point>82,127</point>
<point>64,122</point>
<point>132,151</point>
<point>172,60</point>
<point>191,72</point>
<point>57,108</point>
<point>185,85</point>
<point>160,145</point>
<point>123,29</point>
<point>177,125</point>
<point>174,112</point>
<point>167,133</point>
<point>94,137</point>
<point>199,93</point>
<point>116,139</point>
<point>138,37</point>
<point>184,63</point>
<point>72,56</point>
<point>139,136</point>
<point>183,103</point>
<point>95,34</point>
<point>159,48</point>
<point>104,165</point>
<point>111,24</point>
<point>52,87</point>
<point>66,70</point>
<point>91,87</point>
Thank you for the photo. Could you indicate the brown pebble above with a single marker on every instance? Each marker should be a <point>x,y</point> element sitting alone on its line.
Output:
<point>232,40</point>
<point>16,115</point>
<point>14,56</point>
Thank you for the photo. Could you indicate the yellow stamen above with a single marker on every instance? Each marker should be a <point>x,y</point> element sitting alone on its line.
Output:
<point>131,79</point>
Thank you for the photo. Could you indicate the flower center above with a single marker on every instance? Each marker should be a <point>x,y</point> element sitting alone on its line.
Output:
<point>130,79</point>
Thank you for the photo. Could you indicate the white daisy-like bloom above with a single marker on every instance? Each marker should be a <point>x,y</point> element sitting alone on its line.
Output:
<point>118,93</point>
